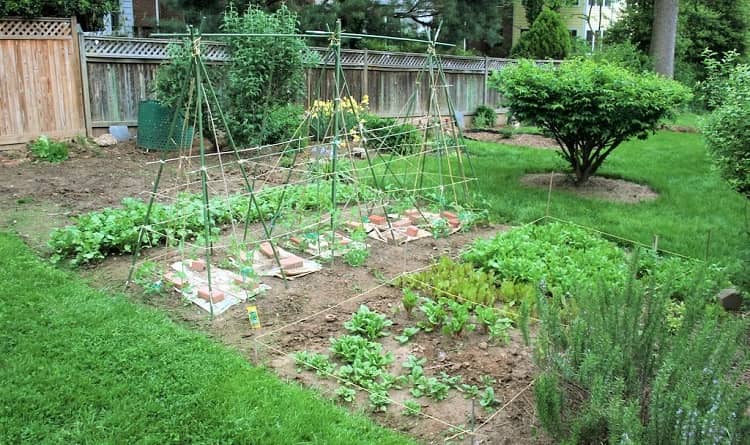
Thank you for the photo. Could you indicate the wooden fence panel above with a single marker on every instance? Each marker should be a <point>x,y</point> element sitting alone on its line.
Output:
<point>115,89</point>
<point>40,80</point>
<point>121,72</point>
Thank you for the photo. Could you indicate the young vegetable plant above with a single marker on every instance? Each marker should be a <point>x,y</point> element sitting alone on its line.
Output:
<point>314,361</point>
<point>488,399</point>
<point>406,335</point>
<point>346,394</point>
<point>368,323</point>
<point>435,313</point>
<point>409,300</point>
<point>454,324</point>
<point>411,408</point>
<point>356,257</point>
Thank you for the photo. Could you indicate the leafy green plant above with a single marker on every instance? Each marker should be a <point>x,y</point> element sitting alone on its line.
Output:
<point>113,231</point>
<point>48,150</point>
<point>430,387</point>
<point>411,408</point>
<point>409,300</point>
<point>356,256</point>
<point>435,314</point>
<point>320,363</point>
<point>470,391</point>
<point>148,276</point>
<point>385,133</point>
<point>454,280</point>
<point>346,394</point>
<point>368,323</point>
<point>484,117</point>
<point>406,335</point>
<point>459,316</point>
<point>440,228</point>
<point>488,399</point>
<point>379,400</point>
<point>581,102</point>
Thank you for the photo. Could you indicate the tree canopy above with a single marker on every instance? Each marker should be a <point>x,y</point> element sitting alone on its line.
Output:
<point>548,38</point>
<point>719,25</point>
<point>89,13</point>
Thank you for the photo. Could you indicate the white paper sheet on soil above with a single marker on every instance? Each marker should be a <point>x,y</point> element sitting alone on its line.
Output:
<point>266,266</point>
<point>221,280</point>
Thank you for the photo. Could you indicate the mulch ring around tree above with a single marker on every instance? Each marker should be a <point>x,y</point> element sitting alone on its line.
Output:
<point>608,189</point>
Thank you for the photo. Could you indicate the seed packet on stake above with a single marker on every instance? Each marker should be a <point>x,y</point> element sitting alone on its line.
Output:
<point>252,315</point>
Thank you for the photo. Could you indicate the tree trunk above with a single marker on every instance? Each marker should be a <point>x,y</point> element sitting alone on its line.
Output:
<point>664,36</point>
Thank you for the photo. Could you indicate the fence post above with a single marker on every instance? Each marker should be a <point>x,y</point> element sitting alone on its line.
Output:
<point>84,80</point>
<point>365,76</point>
<point>485,93</point>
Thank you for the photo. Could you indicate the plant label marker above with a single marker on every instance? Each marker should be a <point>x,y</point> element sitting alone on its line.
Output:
<point>252,315</point>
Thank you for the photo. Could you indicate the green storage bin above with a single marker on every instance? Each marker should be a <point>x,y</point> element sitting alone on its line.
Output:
<point>154,120</point>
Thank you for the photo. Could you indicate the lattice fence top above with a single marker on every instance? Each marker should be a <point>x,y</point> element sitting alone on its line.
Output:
<point>153,49</point>
<point>37,28</point>
<point>156,49</point>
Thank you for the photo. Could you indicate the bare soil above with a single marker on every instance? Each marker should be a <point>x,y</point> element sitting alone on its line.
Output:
<point>521,139</point>
<point>297,315</point>
<point>608,189</point>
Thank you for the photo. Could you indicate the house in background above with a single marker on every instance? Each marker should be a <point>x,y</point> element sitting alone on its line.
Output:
<point>117,23</point>
<point>585,19</point>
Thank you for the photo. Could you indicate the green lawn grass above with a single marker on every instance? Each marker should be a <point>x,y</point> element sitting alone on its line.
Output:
<point>694,203</point>
<point>80,366</point>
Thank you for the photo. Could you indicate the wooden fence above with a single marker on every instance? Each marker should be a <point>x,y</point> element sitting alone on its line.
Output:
<point>120,72</point>
<point>40,80</point>
<point>58,82</point>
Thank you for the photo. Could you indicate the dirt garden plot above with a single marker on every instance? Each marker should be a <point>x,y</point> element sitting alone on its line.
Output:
<point>302,314</point>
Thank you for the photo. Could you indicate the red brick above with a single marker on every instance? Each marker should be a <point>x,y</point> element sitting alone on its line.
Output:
<point>454,222</point>
<point>198,265</point>
<point>449,215</point>
<point>296,240</point>
<point>343,240</point>
<point>176,281</point>
<point>412,231</point>
<point>291,262</point>
<point>378,220</point>
<point>215,296</point>
<point>266,249</point>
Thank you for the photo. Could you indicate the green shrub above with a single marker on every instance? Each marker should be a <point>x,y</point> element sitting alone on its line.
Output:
<point>590,108</point>
<point>548,38</point>
<point>637,380</point>
<point>282,124</point>
<point>48,150</point>
<point>726,129</point>
<point>625,55</point>
<point>385,133</point>
<point>263,73</point>
<point>484,117</point>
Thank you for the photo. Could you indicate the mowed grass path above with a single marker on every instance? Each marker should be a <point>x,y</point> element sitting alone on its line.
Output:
<point>80,366</point>
<point>693,199</point>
